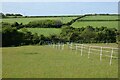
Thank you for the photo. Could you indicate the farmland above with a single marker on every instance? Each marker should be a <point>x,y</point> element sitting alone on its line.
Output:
<point>32,58</point>
<point>92,22</point>
<point>44,31</point>
<point>109,24</point>
<point>48,62</point>
<point>27,20</point>
<point>77,24</point>
<point>99,17</point>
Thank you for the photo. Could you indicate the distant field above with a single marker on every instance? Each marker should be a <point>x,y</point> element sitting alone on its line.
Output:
<point>45,31</point>
<point>77,24</point>
<point>27,20</point>
<point>48,62</point>
<point>99,18</point>
<point>109,24</point>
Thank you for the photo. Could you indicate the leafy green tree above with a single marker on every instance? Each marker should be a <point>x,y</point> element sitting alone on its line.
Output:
<point>10,36</point>
<point>88,34</point>
<point>35,38</point>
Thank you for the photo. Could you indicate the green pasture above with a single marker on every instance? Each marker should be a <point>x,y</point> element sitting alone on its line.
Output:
<point>109,24</point>
<point>48,62</point>
<point>44,31</point>
<point>99,17</point>
<point>27,20</point>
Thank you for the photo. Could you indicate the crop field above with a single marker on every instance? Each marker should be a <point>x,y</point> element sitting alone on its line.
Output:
<point>27,20</point>
<point>109,24</point>
<point>45,31</point>
<point>50,62</point>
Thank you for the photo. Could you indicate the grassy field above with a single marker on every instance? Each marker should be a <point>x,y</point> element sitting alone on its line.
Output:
<point>77,24</point>
<point>45,31</point>
<point>99,18</point>
<point>109,24</point>
<point>48,62</point>
<point>27,20</point>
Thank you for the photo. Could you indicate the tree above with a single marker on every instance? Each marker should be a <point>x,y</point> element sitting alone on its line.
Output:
<point>88,34</point>
<point>2,15</point>
<point>35,38</point>
<point>10,36</point>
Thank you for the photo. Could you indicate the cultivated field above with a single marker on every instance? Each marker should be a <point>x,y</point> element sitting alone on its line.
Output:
<point>48,62</point>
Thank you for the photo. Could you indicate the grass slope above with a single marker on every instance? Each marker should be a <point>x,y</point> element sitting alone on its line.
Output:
<point>48,62</point>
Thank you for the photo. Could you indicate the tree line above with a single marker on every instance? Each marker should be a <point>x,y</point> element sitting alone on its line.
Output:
<point>11,36</point>
<point>8,15</point>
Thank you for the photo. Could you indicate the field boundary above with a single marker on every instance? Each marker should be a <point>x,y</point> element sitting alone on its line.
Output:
<point>89,50</point>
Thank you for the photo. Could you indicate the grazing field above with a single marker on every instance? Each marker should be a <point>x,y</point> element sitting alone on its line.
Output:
<point>48,62</point>
<point>45,31</point>
<point>106,17</point>
<point>27,20</point>
<point>109,24</point>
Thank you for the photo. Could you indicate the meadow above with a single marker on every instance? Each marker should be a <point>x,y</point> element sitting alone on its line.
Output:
<point>91,22</point>
<point>108,24</point>
<point>45,31</point>
<point>48,62</point>
<point>99,17</point>
<point>27,20</point>
<point>77,24</point>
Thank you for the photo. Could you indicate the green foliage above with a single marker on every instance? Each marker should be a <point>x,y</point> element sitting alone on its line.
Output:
<point>8,14</point>
<point>2,15</point>
<point>89,34</point>
<point>10,36</point>
<point>44,24</point>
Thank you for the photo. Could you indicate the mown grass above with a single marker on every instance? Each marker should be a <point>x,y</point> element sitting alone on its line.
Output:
<point>45,31</point>
<point>109,24</point>
<point>49,62</point>
<point>27,20</point>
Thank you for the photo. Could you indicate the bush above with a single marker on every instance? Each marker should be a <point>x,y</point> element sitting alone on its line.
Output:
<point>45,24</point>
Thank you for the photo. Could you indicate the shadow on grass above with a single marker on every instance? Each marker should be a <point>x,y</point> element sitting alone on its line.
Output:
<point>30,53</point>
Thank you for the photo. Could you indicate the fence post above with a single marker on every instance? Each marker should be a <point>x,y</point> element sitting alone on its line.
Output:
<point>101,54</point>
<point>111,56</point>
<point>89,52</point>
<point>70,46</point>
<point>63,47</point>
<point>53,45</point>
<point>81,49</point>
<point>59,46</point>
<point>76,48</point>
